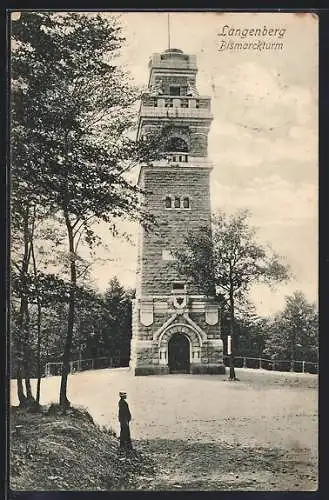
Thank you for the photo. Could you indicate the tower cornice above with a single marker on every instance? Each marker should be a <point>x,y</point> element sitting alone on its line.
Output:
<point>163,167</point>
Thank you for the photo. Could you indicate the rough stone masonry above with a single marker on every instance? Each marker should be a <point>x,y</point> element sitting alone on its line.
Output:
<point>176,327</point>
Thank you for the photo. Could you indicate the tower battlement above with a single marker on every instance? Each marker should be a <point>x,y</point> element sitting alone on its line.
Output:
<point>173,59</point>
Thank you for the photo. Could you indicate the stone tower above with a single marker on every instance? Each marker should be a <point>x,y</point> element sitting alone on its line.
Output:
<point>176,328</point>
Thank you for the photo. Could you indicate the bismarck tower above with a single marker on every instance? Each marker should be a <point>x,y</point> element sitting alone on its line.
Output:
<point>176,327</point>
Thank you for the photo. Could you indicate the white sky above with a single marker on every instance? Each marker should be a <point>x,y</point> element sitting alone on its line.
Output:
<point>263,140</point>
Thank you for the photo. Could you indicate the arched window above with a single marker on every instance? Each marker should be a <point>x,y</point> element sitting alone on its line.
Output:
<point>168,203</point>
<point>177,202</point>
<point>186,202</point>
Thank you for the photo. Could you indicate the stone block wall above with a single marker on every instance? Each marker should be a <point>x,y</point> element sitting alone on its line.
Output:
<point>169,80</point>
<point>156,273</point>
<point>150,356</point>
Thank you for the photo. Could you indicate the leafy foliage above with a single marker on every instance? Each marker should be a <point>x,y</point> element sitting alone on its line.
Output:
<point>225,260</point>
<point>71,111</point>
<point>293,334</point>
<point>72,114</point>
<point>102,327</point>
<point>117,330</point>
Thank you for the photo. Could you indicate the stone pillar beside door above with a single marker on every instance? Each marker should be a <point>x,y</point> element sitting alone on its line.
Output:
<point>195,356</point>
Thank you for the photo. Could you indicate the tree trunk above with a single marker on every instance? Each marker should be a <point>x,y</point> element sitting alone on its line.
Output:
<point>232,371</point>
<point>38,324</point>
<point>19,356</point>
<point>20,389</point>
<point>28,388</point>
<point>21,351</point>
<point>27,360</point>
<point>23,355</point>
<point>27,352</point>
<point>292,353</point>
<point>24,309</point>
<point>39,353</point>
<point>63,401</point>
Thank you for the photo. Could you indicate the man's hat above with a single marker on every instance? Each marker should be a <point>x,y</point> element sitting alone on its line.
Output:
<point>122,394</point>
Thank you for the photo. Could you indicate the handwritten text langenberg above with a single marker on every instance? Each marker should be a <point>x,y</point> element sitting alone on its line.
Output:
<point>228,30</point>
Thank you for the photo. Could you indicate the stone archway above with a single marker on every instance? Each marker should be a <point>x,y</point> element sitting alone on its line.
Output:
<point>190,332</point>
<point>189,349</point>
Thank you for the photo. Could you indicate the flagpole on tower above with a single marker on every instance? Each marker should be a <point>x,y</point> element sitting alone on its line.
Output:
<point>168,30</point>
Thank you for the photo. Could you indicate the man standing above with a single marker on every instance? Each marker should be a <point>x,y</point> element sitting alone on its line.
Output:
<point>124,419</point>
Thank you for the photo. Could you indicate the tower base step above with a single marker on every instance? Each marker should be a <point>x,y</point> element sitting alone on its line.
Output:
<point>199,369</point>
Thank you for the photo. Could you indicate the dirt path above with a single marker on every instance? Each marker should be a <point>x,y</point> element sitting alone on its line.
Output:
<point>209,466</point>
<point>207,433</point>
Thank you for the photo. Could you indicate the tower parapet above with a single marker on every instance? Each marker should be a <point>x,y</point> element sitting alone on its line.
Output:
<point>172,102</point>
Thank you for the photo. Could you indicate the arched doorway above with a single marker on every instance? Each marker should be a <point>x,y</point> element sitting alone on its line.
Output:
<point>179,354</point>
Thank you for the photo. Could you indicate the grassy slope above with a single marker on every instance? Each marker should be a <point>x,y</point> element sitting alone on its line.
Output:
<point>51,451</point>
